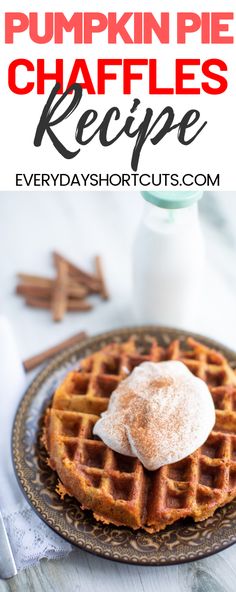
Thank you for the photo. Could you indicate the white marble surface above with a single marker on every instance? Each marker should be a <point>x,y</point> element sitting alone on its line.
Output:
<point>81,225</point>
<point>32,225</point>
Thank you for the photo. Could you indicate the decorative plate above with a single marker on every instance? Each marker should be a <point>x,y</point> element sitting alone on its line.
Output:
<point>181,542</point>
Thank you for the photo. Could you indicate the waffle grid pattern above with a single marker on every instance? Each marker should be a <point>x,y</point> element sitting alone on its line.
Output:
<point>118,489</point>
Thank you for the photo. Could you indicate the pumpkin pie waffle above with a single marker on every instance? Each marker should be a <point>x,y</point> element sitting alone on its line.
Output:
<point>117,488</point>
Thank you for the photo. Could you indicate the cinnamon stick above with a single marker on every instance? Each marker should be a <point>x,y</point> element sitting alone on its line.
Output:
<point>38,359</point>
<point>76,272</point>
<point>72,305</point>
<point>59,292</point>
<point>45,291</point>
<point>76,291</point>
<point>35,280</point>
<point>78,305</point>
<point>67,291</point>
<point>99,273</point>
<point>37,302</point>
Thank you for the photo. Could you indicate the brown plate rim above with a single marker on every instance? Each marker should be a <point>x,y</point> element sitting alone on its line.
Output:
<point>38,381</point>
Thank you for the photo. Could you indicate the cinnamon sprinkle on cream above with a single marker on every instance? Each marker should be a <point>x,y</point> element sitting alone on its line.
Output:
<point>160,414</point>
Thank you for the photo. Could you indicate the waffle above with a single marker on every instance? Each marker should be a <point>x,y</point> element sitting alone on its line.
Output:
<point>117,488</point>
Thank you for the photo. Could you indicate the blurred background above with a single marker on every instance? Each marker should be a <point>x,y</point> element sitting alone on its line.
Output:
<point>81,226</point>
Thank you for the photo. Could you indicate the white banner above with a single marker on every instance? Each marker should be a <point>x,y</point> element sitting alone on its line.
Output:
<point>157,105</point>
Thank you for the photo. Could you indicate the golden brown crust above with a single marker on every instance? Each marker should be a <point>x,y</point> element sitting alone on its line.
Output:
<point>117,489</point>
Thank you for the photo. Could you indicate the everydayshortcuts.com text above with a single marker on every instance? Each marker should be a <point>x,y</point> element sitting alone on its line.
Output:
<point>103,180</point>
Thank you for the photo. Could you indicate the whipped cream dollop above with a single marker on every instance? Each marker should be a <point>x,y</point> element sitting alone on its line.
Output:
<point>160,414</point>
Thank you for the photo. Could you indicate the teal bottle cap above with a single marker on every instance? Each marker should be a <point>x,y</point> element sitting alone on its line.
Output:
<point>172,200</point>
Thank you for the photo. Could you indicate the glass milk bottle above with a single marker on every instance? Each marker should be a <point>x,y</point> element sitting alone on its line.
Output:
<point>168,259</point>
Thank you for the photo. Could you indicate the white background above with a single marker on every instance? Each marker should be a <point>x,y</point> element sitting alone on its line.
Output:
<point>212,152</point>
